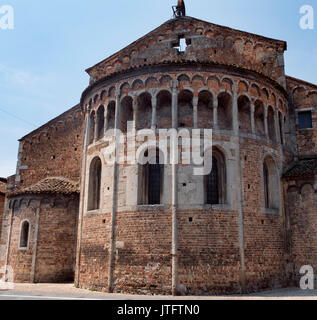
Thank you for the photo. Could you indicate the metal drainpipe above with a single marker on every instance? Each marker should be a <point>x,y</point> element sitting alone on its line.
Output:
<point>174,196</point>
<point>9,238</point>
<point>36,232</point>
<point>82,194</point>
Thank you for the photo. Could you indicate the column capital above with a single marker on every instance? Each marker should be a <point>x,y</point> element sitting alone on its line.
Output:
<point>118,92</point>
<point>174,85</point>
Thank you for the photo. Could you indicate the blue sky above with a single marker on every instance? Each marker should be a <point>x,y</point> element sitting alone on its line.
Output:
<point>43,60</point>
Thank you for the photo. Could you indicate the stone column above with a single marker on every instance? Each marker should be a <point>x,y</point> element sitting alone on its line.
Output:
<point>238,203</point>
<point>215,110</point>
<point>106,118</point>
<point>96,127</point>
<point>174,195</point>
<point>252,109</point>
<point>135,111</point>
<point>235,113</point>
<point>266,128</point>
<point>115,172</point>
<point>175,104</point>
<point>277,127</point>
<point>195,110</point>
<point>154,113</point>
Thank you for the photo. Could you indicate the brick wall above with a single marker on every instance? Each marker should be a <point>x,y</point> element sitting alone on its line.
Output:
<point>54,150</point>
<point>56,239</point>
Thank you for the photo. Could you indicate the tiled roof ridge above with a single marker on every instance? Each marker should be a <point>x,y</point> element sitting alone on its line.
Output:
<point>50,185</point>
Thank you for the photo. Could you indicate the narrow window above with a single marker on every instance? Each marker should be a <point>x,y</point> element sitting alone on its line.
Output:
<point>266,185</point>
<point>24,235</point>
<point>151,181</point>
<point>94,185</point>
<point>215,182</point>
<point>305,120</point>
<point>271,191</point>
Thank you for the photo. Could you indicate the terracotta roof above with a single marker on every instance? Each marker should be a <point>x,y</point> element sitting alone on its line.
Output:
<point>302,169</point>
<point>50,185</point>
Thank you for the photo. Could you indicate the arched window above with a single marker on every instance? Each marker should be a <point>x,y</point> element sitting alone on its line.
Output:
<point>24,235</point>
<point>100,122</point>
<point>92,128</point>
<point>270,185</point>
<point>215,182</point>
<point>151,178</point>
<point>94,185</point>
<point>266,185</point>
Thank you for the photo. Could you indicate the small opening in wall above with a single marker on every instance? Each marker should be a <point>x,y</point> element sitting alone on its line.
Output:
<point>264,64</point>
<point>104,221</point>
<point>145,60</point>
<point>245,158</point>
<point>75,149</point>
<point>108,188</point>
<point>262,221</point>
<point>184,184</point>
<point>190,219</point>
<point>215,51</point>
<point>53,157</point>
<point>249,186</point>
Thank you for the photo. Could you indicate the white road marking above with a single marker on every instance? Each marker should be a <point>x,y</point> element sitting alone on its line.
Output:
<point>45,297</point>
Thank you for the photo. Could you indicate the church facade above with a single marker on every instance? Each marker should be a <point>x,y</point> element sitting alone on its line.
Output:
<point>74,214</point>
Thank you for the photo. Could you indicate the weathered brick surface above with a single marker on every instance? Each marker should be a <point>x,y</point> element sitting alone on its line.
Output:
<point>56,239</point>
<point>239,73</point>
<point>54,150</point>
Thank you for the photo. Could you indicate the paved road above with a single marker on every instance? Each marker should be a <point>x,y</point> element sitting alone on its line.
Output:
<point>69,292</point>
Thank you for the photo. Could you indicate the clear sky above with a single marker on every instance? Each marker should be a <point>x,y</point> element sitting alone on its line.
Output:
<point>43,60</point>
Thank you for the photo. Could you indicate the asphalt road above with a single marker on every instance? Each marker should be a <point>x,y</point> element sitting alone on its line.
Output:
<point>69,292</point>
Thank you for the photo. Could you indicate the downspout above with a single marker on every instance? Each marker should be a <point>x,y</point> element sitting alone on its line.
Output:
<point>82,194</point>
<point>174,193</point>
<point>36,231</point>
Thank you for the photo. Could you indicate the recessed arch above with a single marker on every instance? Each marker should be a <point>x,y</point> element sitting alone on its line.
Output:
<point>164,109</point>
<point>185,109</point>
<point>244,114</point>
<point>144,118</point>
<point>271,194</point>
<point>225,111</point>
<point>205,110</point>
<point>126,112</point>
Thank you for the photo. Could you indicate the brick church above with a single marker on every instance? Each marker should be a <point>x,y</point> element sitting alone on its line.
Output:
<point>71,215</point>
